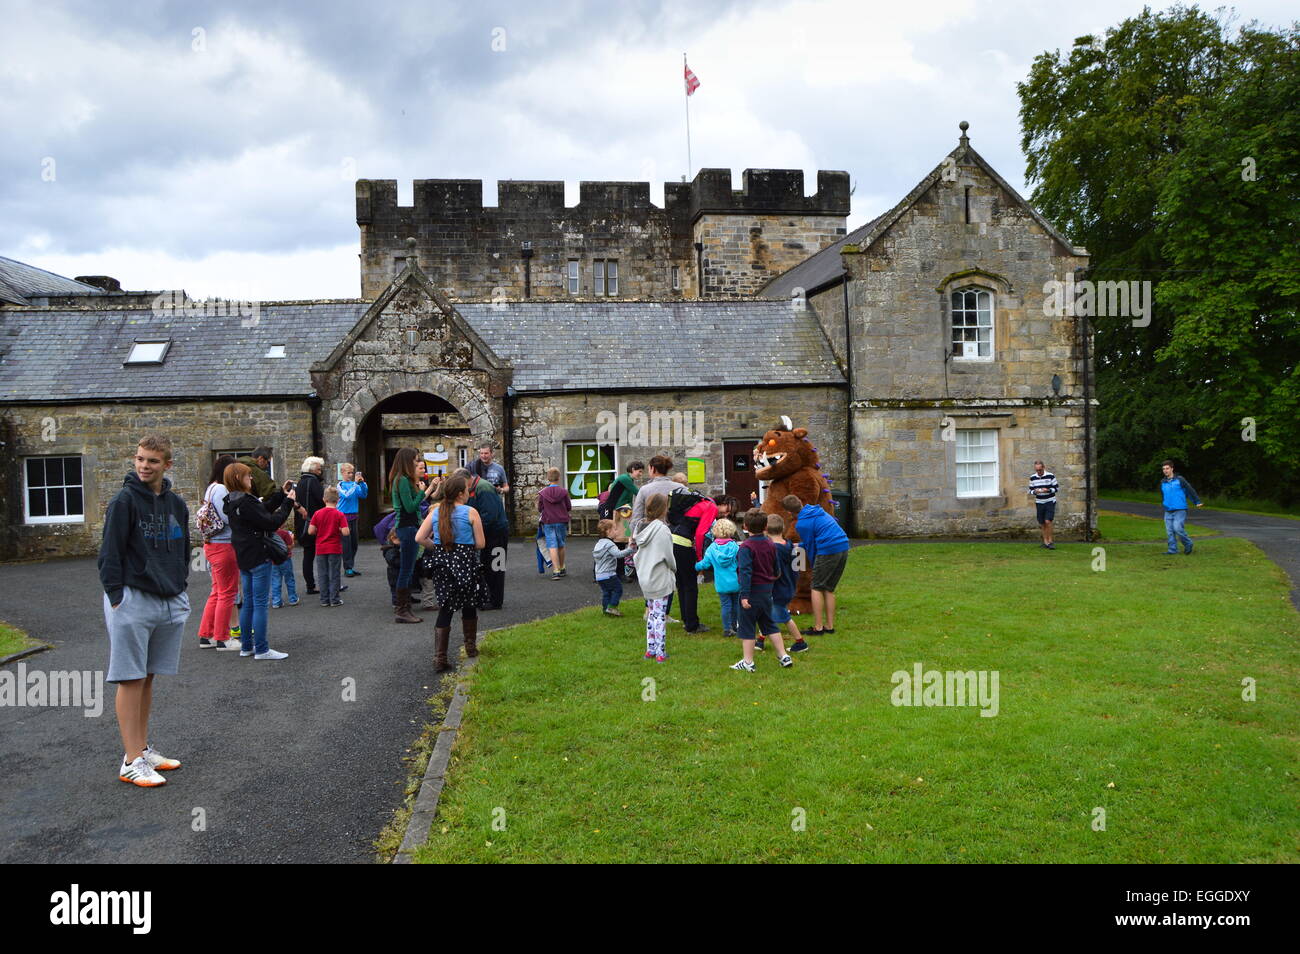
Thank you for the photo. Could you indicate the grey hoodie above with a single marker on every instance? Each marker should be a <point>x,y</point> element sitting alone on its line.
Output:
<point>146,542</point>
<point>656,569</point>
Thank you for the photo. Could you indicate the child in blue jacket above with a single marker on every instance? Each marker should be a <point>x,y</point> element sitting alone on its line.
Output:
<point>721,556</point>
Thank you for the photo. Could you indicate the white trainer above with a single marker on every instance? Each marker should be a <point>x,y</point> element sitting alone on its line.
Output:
<point>141,773</point>
<point>271,654</point>
<point>158,761</point>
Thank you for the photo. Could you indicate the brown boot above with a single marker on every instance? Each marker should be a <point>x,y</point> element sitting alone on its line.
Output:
<point>441,637</point>
<point>470,628</point>
<point>403,614</point>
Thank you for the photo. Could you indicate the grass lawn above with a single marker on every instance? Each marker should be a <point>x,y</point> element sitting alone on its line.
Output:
<point>1114,526</point>
<point>14,640</point>
<point>1234,504</point>
<point>1119,690</point>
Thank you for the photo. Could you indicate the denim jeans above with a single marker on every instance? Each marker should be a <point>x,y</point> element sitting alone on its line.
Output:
<point>350,543</point>
<point>611,591</point>
<point>1174,522</point>
<point>253,614</point>
<point>730,610</point>
<point>282,582</point>
<point>329,567</point>
<point>410,552</point>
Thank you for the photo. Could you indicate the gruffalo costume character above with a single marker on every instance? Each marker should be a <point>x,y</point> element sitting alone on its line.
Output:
<point>787,462</point>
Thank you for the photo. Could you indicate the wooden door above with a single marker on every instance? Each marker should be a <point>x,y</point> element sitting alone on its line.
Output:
<point>739,470</point>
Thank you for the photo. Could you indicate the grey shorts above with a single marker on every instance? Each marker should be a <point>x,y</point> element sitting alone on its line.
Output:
<point>144,634</point>
<point>827,570</point>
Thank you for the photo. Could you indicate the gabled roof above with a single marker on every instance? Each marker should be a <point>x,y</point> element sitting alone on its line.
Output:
<point>20,282</point>
<point>825,268</point>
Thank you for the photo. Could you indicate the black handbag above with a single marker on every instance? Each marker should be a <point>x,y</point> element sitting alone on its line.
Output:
<point>276,549</point>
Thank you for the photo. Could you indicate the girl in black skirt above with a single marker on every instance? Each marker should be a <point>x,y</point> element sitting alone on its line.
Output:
<point>454,532</point>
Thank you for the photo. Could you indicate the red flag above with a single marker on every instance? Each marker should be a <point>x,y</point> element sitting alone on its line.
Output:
<point>692,81</point>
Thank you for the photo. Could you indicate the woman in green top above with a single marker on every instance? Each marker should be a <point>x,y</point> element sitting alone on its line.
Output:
<point>625,487</point>
<point>407,495</point>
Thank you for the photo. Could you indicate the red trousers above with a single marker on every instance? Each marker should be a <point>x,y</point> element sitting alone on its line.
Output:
<point>225,587</point>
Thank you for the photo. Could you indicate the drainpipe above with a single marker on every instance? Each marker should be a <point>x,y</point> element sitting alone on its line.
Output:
<point>313,402</point>
<point>1086,336</point>
<point>699,269</point>
<point>852,521</point>
<point>507,451</point>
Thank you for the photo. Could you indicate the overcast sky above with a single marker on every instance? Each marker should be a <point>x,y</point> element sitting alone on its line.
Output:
<point>213,147</point>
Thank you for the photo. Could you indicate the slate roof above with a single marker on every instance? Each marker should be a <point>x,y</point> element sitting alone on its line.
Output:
<point>814,273</point>
<point>577,346</point>
<point>20,282</point>
<point>77,354</point>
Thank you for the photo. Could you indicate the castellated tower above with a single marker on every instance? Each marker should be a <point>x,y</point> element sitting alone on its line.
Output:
<point>613,244</point>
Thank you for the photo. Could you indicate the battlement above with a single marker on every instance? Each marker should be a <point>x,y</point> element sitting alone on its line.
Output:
<point>763,191</point>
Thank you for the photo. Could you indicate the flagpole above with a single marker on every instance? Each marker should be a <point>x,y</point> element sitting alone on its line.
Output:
<point>686,89</point>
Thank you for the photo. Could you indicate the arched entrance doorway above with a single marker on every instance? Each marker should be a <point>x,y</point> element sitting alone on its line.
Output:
<point>430,424</point>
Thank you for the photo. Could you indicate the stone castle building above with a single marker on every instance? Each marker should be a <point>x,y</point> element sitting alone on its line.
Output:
<point>915,350</point>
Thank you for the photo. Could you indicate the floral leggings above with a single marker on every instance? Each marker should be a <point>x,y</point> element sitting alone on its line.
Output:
<point>656,624</point>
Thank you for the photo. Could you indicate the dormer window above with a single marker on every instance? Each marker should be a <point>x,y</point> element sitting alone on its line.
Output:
<point>972,324</point>
<point>148,352</point>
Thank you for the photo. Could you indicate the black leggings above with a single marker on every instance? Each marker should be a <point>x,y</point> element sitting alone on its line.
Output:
<point>444,615</point>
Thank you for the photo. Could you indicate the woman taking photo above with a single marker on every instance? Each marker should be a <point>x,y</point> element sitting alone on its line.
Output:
<point>219,612</point>
<point>407,497</point>
<point>455,533</point>
<point>250,523</point>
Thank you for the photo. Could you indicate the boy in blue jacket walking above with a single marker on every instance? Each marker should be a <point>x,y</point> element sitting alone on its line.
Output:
<point>826,547</point>
<point>1175,492</point>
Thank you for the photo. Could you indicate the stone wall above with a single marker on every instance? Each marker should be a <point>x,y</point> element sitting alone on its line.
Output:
<point>475,252</point>
<point>906,382</point>
<point>102,435</point>
<point>543,425</point>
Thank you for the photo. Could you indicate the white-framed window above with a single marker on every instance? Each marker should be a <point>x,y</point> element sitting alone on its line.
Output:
<point>53,491</point>
<point>589,468</point>
<point>977,462</point>
<point>462,458</point>
<point>574,276</point>
<point>148,352</point>
<point>275,351</point>
<point>605,280</point>
<point>677,278</point>
<point>972,324</point>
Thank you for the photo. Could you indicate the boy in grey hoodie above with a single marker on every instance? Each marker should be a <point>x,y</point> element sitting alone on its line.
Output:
<point>144,564</point>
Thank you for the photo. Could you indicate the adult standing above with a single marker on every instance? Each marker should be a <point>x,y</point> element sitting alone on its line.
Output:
<point>259,465</point>
<point>352,490</point>
<point>488,469</point>
<point>310,494</point>
<point>625,488</point>
<point>689,518</point>
<point>1043,487</point>
<point>250,524</point>
<point>1175,491</point>
<point>454,531</point>
<point>219,552</point>
<point>407,496</point>
<point>484,498</point>
<point>659,483</point>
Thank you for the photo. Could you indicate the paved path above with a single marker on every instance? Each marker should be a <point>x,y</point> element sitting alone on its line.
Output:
<point>1278,537</point>
<point>283,768</point>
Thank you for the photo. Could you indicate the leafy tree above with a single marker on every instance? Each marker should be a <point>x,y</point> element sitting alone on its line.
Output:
<point>1134,146</point>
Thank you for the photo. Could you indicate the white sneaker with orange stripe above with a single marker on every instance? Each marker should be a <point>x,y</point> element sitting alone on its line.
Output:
<point>158,762</point>
<point>141,773</point>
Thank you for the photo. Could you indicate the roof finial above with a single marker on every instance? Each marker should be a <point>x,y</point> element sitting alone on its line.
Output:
<point>410,242</point>
<point>963,126</point>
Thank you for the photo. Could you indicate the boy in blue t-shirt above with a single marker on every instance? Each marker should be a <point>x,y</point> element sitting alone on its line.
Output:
<point>352,490</point>
<point>784,587</point>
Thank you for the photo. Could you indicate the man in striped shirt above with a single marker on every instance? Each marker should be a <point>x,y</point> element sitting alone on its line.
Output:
<point>1043,488</point>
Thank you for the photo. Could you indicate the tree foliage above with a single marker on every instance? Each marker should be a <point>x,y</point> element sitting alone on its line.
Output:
<point>1171,150</point>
